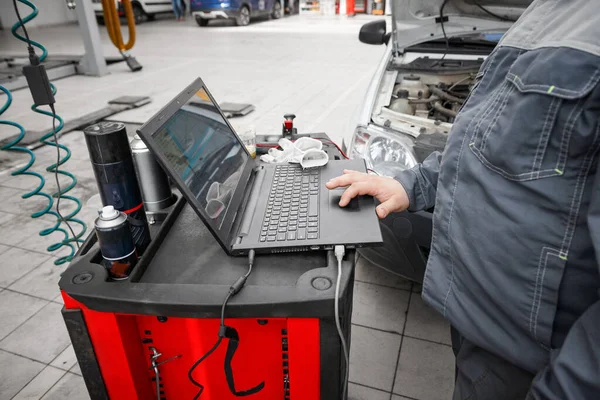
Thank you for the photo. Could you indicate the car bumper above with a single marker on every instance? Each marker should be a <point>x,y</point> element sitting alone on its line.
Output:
<point>214,14</point>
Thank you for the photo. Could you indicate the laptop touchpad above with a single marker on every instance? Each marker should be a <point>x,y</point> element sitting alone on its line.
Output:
<point>334,198</point>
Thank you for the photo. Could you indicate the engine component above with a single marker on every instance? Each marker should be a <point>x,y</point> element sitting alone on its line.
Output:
<point>446,96</point>
<point>414,86</point>
<point>402,104</point>
<point>442,110</point>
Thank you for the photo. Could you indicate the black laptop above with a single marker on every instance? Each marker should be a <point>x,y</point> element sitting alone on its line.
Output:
<point>271,208</point>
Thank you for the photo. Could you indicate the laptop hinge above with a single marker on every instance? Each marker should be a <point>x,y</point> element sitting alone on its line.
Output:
<point>251,196</point>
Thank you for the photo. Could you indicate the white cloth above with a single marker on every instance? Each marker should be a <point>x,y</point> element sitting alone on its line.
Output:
<point>305,151</point>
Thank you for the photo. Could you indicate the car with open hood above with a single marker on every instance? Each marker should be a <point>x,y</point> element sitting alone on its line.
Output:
<point>434,52</point>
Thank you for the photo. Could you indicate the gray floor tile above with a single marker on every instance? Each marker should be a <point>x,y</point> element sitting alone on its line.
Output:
<point>15,373</point>
<point>398,397</point>
<point>42,281</point>
<point>3,249</point>
<point>426,323</point>
<point>58,299</point>
<point>24,232</point>
<point>66,360</point>
<point>16,308</point>
<point>76,369</point>
<point>425,370</point>
<point>16,263</point>
<point>9,194</point>
<point>373,356</point>
<point>357,392</point>
<point>6,217</point>
<point>14,204</point>
<point>43,337</point>
<point>379,307</point>
<point>70,386</point>
<point>367,272</point>
<point>40,384</point>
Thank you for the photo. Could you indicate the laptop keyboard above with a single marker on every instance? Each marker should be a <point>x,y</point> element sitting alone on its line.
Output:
<point>293,209</point>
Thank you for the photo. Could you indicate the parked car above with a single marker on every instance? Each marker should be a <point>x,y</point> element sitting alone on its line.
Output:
<point>422,81</point>
<point>143,10</point>
<point>241,11</point>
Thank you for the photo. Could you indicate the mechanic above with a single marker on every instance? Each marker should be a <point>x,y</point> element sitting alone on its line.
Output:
<point>514,256</point>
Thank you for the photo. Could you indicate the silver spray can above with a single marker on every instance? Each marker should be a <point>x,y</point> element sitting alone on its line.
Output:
<point>116,242</point>
<point>154,183</point>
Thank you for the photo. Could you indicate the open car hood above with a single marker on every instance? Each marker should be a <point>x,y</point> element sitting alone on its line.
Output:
<point>418,21</point>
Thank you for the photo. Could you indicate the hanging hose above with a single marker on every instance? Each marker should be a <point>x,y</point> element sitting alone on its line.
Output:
<point>113,27</point>
<point>54,168</point>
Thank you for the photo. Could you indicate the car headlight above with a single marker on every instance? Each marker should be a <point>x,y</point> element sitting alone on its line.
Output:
<point>385,153</point>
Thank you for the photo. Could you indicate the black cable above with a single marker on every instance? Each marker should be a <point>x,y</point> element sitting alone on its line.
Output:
<point>445,35</point>
<point>55,136</point>
<point>501,18</point>
<point>233,290</point>
<point>29,46</point>
<point>204,357</point>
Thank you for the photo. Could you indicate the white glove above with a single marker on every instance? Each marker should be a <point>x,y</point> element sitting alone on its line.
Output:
<point>305,151</point>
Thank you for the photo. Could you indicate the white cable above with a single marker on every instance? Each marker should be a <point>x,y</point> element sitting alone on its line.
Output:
<point>339,254</point>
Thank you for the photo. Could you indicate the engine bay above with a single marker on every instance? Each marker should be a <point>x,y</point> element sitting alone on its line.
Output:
<point>424,96</point>
<point>434,97</point>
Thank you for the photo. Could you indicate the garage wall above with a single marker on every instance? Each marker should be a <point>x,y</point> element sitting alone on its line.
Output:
<point>52,12</point>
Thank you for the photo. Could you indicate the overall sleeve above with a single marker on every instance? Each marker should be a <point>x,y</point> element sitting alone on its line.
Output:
<point>420,182</point>
<point>574,369</point>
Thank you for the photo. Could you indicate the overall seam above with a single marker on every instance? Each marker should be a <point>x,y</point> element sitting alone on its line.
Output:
<point>462,146</point>
<point>499,111</point>
<point>545,136</point>
<point>481,117</point>
<point>539,278</point>
<point>567,133</point>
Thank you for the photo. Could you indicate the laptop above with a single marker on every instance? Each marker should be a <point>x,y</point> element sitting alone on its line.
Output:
<point>270,208</point>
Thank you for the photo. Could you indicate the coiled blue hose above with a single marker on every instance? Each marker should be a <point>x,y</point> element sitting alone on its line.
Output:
<point>54,168</point>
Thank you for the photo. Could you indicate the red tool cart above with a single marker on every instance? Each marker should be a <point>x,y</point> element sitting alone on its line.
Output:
<point>138,339</point>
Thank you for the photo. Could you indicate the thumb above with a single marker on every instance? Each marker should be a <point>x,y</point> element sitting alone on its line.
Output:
<point>382,211</point>
<point>387,207</point>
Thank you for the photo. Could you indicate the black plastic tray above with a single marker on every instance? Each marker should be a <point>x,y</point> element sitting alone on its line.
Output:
<point>185,273</point>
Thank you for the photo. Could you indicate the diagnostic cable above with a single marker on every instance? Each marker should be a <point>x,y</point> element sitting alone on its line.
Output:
<point>339,254</point>
<point>231,334</point>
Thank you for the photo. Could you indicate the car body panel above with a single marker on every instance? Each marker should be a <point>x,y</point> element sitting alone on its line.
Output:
<point>211,9</point>
<point>421,17</point>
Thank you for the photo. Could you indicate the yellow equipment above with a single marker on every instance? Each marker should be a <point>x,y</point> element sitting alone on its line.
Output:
<point>113,26</point>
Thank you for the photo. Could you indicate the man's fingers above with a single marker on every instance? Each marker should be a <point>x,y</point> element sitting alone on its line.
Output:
<point>357,189</point>
<point>347,179</point>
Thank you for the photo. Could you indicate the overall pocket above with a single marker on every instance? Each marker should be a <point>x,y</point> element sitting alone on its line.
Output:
<point>524,128</point>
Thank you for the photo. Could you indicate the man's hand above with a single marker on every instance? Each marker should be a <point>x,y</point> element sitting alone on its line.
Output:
<point>388,191</point>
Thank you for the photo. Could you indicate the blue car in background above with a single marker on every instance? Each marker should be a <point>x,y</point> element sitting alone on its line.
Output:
<point>239,10</point>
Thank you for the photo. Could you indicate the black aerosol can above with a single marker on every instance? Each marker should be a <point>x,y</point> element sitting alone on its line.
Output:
<point>116,242</point>
<point>111,159</point>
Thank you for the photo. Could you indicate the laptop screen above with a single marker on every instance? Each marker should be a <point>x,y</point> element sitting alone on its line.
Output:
<point>205,153</point>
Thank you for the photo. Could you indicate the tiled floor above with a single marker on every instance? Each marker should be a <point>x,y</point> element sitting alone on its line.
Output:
<point>315,68</point>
